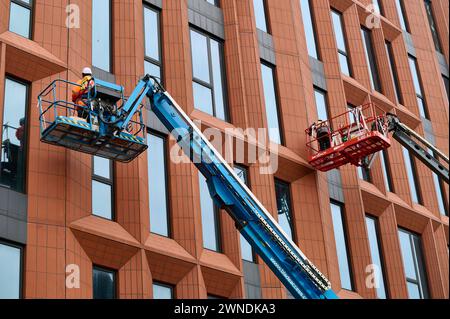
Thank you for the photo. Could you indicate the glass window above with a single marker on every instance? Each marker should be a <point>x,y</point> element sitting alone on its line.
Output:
<point>208,75</point>
<point>246,250</point>
<point>440,192</point>
<point>341,245</point>
<point>321,104</point>
<point>392,65</point>
<point>14,136</point>
<point>371,60</point>
<point>364,174</point>
<point>214,2</point>
<point>101,34</point>
<point>412,176</point>
<point>162,291</point>
<point>10,271</point>
<point>402,16</point>
<point>284,206</point>
<point>102,188</point>
<point>210,217</point>
<point>413,264</point>
<point>310,32</point>
<point>104,283</point>
<point>378,7</point>
<point>271,101</point>
<point>260,15</point>
<point>20,17</point>
<point>418,86</point>
<point>446,85</point>
<point>375,251</point>
<point>157,185</point>
<point>432,23</point>
<point>341,42</point>
<point>152,62</point>
<point>386,171</point>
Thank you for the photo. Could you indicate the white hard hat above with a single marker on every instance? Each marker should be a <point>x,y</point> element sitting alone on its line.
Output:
<point>87,70</point>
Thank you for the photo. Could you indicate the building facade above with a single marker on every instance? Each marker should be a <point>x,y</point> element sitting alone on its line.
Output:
<point>74,226</point>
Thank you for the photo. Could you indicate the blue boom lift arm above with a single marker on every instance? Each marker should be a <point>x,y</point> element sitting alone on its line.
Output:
<point>255,223</point>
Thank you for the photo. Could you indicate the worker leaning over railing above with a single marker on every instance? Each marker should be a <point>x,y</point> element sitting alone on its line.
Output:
<point>80,93</point>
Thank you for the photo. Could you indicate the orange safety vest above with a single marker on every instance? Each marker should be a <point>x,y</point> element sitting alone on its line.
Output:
<point>83,87</point>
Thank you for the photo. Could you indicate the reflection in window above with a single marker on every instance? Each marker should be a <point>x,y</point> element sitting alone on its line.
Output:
<point>271,103</point>
<point>260,15</point>
<point>102,188</point>
<point>364,174</point>
<point>418,86</point>
<point>14,136</point>
<point>103,283</point>
<point>101,34</point>
<point>412,176</point>
<point>371,60</point>
<point>413,264</point>
<point>210,217</point>
<point>20,13</point>
<point>152,63</point>
<point>375,251</point>
<point>340,42</point>
<point>341,245</point>
<point>246,250</point>
<point>157,185</point>
<point>378,7</point>
<point>440,191</point>
<point>432,23</point>
<point>162,291</point>
<point>208,75</point>
<point>284,206</point>
<point>10,271</point>
<point>310,32</point>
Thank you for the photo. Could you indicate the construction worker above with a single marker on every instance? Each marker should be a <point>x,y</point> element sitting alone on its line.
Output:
<point>80,93</point>
<point>321,132</point>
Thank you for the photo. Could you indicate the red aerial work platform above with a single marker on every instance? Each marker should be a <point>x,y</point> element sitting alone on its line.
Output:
<point>348,138</point>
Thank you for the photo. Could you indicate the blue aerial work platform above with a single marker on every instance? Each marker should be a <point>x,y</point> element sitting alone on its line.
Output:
<point>95,133</point>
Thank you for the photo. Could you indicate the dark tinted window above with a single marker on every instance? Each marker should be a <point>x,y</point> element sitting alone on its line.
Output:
<point>284,205</point>
<point>104,283</point>
<point>271,102</point>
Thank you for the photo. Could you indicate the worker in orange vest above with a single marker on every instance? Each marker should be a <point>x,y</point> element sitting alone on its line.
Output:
<point>80,93</point>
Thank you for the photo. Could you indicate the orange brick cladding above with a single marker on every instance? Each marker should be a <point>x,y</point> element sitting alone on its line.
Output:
<point>62,231</point>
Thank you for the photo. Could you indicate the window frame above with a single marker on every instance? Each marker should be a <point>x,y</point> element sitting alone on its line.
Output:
<point>114,272</point>
<point>111,39</point>
<point>167,183</point>
<point>346,54</point>
<point>21,248</point>
<point>216,3</point>
<point>394,71</point>
<point>148,6</point>
<point>402,16</point>
<point>110,182</point>
<point>223,77</point>
<point>266,17</point>
<point>387,171</point>
<point>376,221</point>
<point>27,112</point>
<point>419,95</point>
<point>432,24</point>
<point>415,178</point>
<point>311,13</point>
<point>30,7</point>
<point>324,93</point>
<point>277,99</point>
<point>345,229</point>
<point>419,260</point>
<point>291,207</point>
<point>164,285</point>
<point>372,60</point>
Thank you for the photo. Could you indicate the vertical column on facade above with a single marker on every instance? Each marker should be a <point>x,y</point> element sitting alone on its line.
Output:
<point>440,8</point>
<point>183,190</point>
<point>4,15</point>
<point>131,184</point>
<point>352,29</point>
<point>433,265</point>
<point>46,179</point>
<point>78,165</point>
<point>337,105</point>
<point>442,251</point>
<point>390,247</point>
